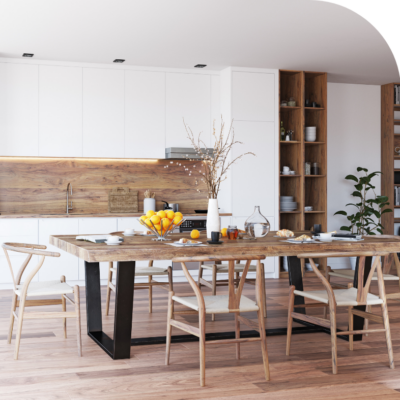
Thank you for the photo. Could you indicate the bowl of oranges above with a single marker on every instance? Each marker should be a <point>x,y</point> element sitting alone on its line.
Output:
<point>161,223</point>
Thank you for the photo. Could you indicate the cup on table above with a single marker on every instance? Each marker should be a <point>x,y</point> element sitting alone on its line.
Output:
<point>113,239</point>
<point>215,236</point>
<point>317,228</point>
<point>129,231</point>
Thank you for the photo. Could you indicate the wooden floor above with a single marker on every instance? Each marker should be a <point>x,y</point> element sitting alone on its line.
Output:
<point>49,367</point>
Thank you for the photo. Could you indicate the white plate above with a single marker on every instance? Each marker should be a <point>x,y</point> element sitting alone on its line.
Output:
<point>188,244</point>
<point>113,244</point>
<point>303,241</point>
<point>128,234</point>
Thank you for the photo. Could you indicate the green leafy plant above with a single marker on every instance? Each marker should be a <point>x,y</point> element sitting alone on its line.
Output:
<point>368,216</point>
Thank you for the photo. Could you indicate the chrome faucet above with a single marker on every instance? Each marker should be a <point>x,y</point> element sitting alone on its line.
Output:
<point>68,207</point>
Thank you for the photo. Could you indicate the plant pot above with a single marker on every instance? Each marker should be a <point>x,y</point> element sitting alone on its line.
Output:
<point>149,204</point>
<point>213,220</point>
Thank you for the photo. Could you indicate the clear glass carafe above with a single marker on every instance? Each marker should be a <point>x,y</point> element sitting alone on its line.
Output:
<point>257,225</point>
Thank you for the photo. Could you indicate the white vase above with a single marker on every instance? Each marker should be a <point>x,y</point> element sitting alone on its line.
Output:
<point>149,204</point>
<point>213,220</point>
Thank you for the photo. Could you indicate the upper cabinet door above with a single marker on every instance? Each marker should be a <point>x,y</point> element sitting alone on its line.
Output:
<point>253,96</point>
<point>19,126</point>
<point>103,113</point>
<point>144,114</point>
<point>188,98</point>
<point>60,111</point>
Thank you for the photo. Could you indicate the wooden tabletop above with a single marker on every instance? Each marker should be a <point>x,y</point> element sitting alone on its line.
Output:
<point>137,248</point>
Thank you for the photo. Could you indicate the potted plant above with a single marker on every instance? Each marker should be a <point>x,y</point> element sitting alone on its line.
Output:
<point>366,220</point>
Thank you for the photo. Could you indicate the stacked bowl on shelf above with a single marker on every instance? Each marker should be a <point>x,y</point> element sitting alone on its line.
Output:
<point>287,203</point>
<point>310,133</point>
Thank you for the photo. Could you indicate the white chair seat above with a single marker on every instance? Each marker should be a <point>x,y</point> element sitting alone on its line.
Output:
<point>344,297</point>
<point>46,288</point>
<point>225,267</point>
<point>349,274</point>
<point>217,304</point>
<point>147,271</point>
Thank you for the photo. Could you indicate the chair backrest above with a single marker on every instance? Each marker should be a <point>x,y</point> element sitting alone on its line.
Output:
<point>362,289</point>
<point>30,249</point>
<point>234,294</point>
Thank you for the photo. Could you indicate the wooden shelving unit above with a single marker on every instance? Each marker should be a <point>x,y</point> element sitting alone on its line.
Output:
<point>389,141</point>
<point>308,190</point>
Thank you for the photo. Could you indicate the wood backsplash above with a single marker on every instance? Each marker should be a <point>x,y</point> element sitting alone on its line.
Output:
<point>38,185</point>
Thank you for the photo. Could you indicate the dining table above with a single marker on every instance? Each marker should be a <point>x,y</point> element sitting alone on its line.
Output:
<point>138,248</point>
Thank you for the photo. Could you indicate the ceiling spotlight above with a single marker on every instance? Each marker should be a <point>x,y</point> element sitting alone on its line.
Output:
<point>200,65</point>
<point>27,55</point>
<point>119,60</point>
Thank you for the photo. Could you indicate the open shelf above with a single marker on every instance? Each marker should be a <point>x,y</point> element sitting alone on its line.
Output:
<point>314,176</point>
<point>289,176</point>
<point>314,212</point>
<point>290,212</point>
<point>289,108</point>
<point>311,143</point>
<point>290,142</point>
<point>314,108</point>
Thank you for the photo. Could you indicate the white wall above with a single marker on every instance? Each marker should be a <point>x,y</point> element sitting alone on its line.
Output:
<point>354,140</point>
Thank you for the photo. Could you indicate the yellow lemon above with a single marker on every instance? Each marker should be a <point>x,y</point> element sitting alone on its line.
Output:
<point>165,222</point>
<point>178,213</point>
<point>143,218</point>
<point>162,214</point>
<point>155,219</point>
<point>150,213</point>
<point>223,232</point>
<point>177,219</point>
<point>170,214</point>
<point>147,222</point>
<point>195,234</point>
<point>158,227</point>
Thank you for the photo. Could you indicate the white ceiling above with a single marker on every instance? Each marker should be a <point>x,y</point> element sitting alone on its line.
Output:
<point>286,34</point>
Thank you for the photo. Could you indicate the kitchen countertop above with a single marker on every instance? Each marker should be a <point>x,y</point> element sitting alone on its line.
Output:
<point>105,215</point>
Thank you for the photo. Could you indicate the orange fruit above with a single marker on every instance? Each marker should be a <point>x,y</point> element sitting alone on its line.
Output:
<point>195,234</point>
<point>155,219</point>
<point>162,214</point>
<point>178,213</point>
<point>224,232</point>
<point>170,214</point>
<point>147,222</point>
<point>150,213</point>
<point>158,227</point>
<point>177,219</point>
<point>165,222</point>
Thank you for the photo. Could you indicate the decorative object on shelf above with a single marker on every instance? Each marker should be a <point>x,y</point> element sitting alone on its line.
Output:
<point>256,225</point>
<point>315,169</point>
<point>289,136</point>
<point>367,208</point>
<point>213,170</point>
<point>122,200</point>
<point>282,132</point>
<point>292,173</point>
<point>308,208</point>
<point>161,225</point>
<point>397,151</point>
<point>285,171</point>
<point>291,102</point>
<point>310,133</point>
<point>149,201</point>
<point>307,103</point>
<point>287,203</point>
<point>315,105</point>
<point>284,103</point>
<point>307,168</point>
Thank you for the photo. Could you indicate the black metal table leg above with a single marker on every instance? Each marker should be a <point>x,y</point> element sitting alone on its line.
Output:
<point>296,279</point>
<point>358,322</point>
<point>123,309</point>
<point>121,345</point>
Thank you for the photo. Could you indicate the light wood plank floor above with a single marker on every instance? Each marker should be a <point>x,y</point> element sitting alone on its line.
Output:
<point>49,367</point>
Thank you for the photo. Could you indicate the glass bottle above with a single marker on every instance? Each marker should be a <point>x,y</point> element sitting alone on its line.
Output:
<point>282,132</point>
<point>315,169</point>
<point>257,225</point>
<point>232,232</point>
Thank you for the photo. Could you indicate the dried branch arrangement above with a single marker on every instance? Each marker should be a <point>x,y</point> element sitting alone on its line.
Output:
<point>213,167</point>
<point>149,195</point>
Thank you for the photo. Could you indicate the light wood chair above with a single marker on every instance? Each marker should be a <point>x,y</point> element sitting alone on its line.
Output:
<point>149,271</point>
<point>349,297</point>
<point>223,268</point>
<point>34,289</point>
<point>233,302</point>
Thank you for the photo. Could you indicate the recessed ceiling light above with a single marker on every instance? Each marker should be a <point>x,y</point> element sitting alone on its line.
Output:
<point>27,55</point>
<point>200,65</point>
<point>119,60</point>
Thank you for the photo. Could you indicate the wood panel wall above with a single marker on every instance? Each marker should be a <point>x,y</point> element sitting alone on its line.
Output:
<point>38,185</point>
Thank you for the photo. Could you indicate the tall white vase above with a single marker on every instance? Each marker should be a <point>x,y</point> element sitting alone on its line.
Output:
<point>213,220</point>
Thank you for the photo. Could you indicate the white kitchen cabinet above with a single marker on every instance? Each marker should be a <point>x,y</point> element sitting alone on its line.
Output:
<point>103,113</point>
<point>144,114</point>
<point>188,97</point>
<point>66,264</point>
<point>60,111</point>
<point>21,136</point>
<point>253,180</point>
<point>96,226</point>
<point>22,230</point>
<point>253,96</point>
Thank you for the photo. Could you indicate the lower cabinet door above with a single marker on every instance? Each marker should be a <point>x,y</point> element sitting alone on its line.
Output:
<point>66,264</point>
<point>96,226</point>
